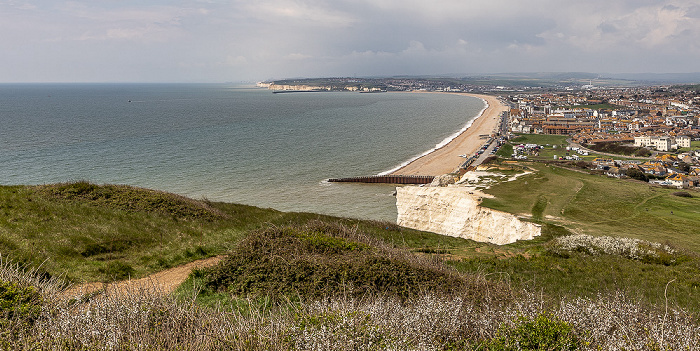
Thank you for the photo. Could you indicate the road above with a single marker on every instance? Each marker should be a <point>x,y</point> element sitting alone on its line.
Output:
<point>502,130</point>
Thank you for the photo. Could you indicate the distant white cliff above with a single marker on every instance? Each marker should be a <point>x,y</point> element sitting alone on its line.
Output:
<point>455,211</point>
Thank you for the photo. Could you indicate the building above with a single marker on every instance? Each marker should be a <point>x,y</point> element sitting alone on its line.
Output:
<point>679,181</point>
<point>683,141</point>
<point>660,143</point>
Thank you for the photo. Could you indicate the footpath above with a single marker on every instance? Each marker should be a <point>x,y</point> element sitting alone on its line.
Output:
<point>163,282</point>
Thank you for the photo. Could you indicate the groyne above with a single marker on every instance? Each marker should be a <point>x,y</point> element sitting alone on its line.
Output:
<point>386,179</point>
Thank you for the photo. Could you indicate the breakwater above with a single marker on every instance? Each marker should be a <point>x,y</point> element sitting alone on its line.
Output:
<point>386,179</point>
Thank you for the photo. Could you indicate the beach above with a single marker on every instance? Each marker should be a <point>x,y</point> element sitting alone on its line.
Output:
<point>446,159</point>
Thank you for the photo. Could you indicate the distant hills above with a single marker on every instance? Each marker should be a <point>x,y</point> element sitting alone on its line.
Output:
<point>528,79</point>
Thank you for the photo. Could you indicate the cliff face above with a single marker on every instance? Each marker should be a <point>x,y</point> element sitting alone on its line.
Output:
<point>454,211</point>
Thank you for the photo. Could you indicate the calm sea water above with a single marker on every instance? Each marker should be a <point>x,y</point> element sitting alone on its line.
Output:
<point>224,142</point>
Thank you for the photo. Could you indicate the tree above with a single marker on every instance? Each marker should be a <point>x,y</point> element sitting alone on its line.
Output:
<point>635,173</point>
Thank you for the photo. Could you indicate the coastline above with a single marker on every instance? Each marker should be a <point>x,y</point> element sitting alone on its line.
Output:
<point>444,158</point>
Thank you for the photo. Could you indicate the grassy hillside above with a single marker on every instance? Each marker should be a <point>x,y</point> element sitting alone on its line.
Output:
<point>598,205</point>
<point>101,233</point>
<point>306,281</point>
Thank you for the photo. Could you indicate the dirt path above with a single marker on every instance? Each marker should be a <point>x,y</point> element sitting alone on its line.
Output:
<point>163,282</point>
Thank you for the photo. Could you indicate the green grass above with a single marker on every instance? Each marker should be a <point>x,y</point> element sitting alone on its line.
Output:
<point>91,233</point>
<point>596,205</point>
<point>82,232</point>
<point>552,145</point>
<point>584,275</point>
<point>87,232</point>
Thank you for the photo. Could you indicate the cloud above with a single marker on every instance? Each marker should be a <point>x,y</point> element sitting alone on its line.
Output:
<point>242,39</point>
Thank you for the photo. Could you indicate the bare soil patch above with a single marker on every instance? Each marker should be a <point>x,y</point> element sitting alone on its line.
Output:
<point>163,282</point>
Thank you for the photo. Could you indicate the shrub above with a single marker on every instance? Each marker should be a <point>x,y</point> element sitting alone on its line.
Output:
<point>336,329</point>
<point>635,249</point>
<point>682,194</point>
<point>635,173</point>
<point>544,332</point>
<point>619,148</point>
<point>117,270</point>
<point>18,303</point>
<point>320,260</point>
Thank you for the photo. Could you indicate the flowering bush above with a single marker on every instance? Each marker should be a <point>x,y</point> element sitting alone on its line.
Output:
<point>634,249</point>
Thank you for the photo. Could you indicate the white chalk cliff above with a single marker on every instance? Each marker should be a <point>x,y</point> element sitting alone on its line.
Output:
<point>455,211</point>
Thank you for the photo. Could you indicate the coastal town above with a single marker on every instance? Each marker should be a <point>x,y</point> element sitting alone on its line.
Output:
<point>652,130</point>
<point>645,132</point>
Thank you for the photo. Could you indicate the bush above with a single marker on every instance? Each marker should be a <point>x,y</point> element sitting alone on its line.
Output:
<point>682,194</point>
<point>117,270</point>
<point>637,174</point>
<point>620,149</point>
<point>18,303</point>
<point>336,329</point>
<point>320,260</point>
<point>541,333</point>
<point>634,249</point>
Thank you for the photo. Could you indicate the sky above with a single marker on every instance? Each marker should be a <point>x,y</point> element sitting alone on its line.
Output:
<point>255,40</point>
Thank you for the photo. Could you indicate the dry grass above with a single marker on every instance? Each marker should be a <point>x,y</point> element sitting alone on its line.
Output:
<point>144,319</point>
<point>141,320</point>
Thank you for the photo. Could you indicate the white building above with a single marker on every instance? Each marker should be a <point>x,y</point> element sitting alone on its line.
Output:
<point>683,141</point>
<point>662,143</point>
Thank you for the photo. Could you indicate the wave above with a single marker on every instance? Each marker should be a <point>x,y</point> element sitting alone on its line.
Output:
<point>440,144</point>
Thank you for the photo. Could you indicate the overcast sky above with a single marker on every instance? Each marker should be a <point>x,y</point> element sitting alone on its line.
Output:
<point>249,40</point>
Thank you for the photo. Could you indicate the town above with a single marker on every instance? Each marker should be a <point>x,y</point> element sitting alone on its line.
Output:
<point>645,132</point>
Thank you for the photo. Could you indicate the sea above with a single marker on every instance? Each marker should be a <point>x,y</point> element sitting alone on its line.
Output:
<point>225,142</point>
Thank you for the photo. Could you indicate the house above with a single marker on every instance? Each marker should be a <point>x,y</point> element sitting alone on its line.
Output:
<point>603,163</point>
<point>615,172</point>
<point>661,143</point>
<point>656,168</point>
<point>666,158</point>
<point>679,181</point>
<point>694,180</point>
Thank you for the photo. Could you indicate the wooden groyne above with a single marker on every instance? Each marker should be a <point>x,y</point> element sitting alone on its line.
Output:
<point>386,179</point>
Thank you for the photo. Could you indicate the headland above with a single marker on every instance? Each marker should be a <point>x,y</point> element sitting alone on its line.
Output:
<point>446,159</point>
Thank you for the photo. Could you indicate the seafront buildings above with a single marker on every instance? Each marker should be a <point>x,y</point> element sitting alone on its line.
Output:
<point>663,119</point>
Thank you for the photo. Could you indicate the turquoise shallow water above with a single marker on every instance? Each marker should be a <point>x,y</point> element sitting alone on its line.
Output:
<point>224,142</point>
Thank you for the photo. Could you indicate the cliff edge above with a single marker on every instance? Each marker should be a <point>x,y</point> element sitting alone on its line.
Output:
<point>455,211</point>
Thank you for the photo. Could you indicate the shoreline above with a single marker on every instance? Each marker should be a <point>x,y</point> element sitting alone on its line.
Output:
<point>444,158</point>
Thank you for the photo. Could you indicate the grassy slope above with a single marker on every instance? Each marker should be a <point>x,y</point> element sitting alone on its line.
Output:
<point>599,205</point>
<point>90,239</point>
<point>100,233</point>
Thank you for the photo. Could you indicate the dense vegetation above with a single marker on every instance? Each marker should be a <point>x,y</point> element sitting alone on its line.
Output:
<point>324,260</point>
<point>305,281</point>
<point>620,149</point>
